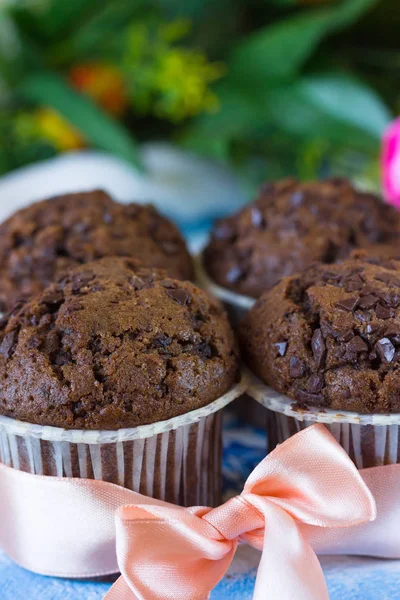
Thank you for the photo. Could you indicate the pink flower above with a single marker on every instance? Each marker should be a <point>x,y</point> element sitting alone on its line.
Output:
<point>390,162</point>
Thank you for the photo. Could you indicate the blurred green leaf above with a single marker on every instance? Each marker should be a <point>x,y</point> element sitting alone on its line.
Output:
<point>336,107</point>
<point>97,127</point>
<point>281,49</point>
<point>100,35</point>
<point>348,100</point>
<point>60,16</point>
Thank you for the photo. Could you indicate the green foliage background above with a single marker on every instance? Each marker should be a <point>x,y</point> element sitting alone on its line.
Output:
<point>303,87</point>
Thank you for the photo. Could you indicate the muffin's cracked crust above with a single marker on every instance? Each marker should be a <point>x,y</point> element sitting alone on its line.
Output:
<point>331,337</point>
<point>291,226</point>
<point>42,241</point>
<point>114,345</point>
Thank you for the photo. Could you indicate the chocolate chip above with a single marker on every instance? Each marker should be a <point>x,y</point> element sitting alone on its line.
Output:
<point>329,276</point>
<point>167,283</point>
<point>318,347</point>
<point>382,312</point>
<point>224,231</point>
<point>389,265</point>
<point>372,328</point>
<point>204,350</point>
<point>80,281</point>
<point>354,284</point>
<point>393,300</point>
<point>256,217</point>
<point>55,297</point>
<point>348,304</point>
<point>385,277</point>
<point>33,342</point>
<point>107,218</point>
<point>137,283</point>
<point>315,384</point>
<point>385,349</point>
<point>297,199</point>
<point>393,331</point>
<point>81,228</point>
<point>169,248</point>
<point>368,289</point>
<point>7,344</point>
<point>62,358</point>
<point>357,345</point>
<point>367,301</point>
<point>162,341</point>
<point>307,398</point>
<point>362,316</point>
<point>97,287</point>
<point>179,295</point>
<point>345,336</point>
<point>296,367</point>
<point>234,274</point>
<point>71,307</point>
<point>281,348</point>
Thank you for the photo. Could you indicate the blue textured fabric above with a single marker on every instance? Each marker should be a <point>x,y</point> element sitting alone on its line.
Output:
<point>348,578</point>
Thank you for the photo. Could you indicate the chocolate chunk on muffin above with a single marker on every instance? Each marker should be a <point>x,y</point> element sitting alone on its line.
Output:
<point>330,337</point>
<point>114,345</point>
<point>42,241</point>
<point>291,226</point>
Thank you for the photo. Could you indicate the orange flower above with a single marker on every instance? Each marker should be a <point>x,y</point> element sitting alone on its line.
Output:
<point>103,83</point>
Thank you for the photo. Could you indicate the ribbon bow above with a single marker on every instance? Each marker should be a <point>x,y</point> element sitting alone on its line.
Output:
<point>167,552</point>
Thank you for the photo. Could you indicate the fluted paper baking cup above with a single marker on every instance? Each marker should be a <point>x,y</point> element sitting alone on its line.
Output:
<point>369,439</point>
<point>177,460</point>
<point>237,305</point>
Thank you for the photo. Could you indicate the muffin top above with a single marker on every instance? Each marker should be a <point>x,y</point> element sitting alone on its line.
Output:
<point>114,345</point>
<point>40,242</point>
<point>330,337</point>
<point>291,226</point>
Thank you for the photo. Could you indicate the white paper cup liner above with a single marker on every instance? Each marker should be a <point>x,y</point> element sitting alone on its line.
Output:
<point>369,439</point>
<point>237,305</point>
<point>177,460</point>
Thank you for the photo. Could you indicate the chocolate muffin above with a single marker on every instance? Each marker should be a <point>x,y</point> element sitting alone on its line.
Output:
<point>291,226</point>
<point>330,337</point>
<point>42,241</point>
<point>114,345</point>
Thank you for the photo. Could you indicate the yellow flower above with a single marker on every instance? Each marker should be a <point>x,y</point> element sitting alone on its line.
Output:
<point>103,83</point>
<point>52,127</point>
<point>183,78</point>
<point>168,80</point>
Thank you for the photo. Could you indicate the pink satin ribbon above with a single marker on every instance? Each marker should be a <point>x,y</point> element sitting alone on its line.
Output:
<point>302,498</point>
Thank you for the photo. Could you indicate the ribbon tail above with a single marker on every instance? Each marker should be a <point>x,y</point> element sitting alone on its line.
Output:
<point>376,538</point>
<point>289,567</point>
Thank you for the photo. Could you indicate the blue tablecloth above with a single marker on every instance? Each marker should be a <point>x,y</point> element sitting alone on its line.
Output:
<point>348,578</point>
